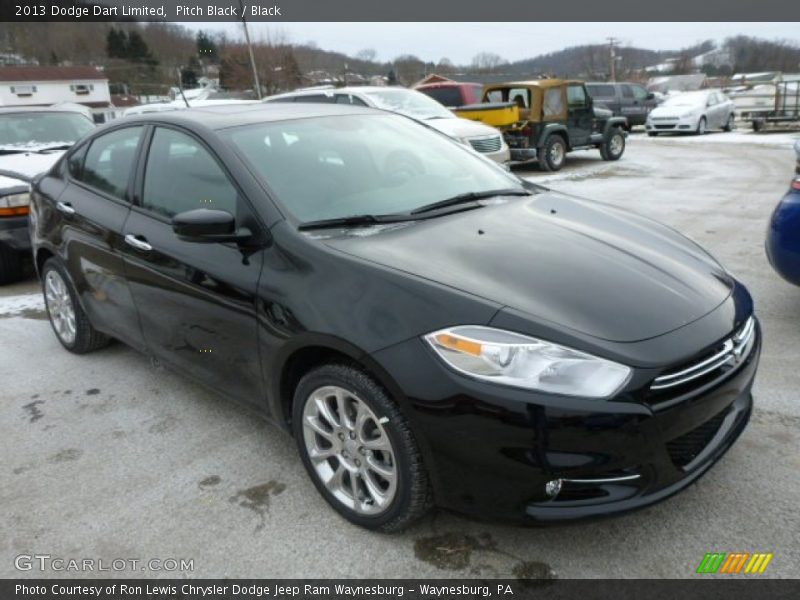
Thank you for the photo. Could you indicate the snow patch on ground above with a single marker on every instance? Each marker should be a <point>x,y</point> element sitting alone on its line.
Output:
<point>13,306</point>
<point>766,138</point>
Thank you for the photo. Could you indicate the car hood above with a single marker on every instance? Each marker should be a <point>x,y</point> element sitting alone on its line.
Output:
<point>461,128</point>
<point>20,168</point>
<point>580,265</point>
<point>674,112</point>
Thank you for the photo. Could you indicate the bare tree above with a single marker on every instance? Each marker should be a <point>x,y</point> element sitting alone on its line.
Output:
<point>487,61</point>
<point>367,54</point>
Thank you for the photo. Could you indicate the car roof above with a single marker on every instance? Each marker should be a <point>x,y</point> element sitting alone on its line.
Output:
<point>6,110</point>
<point>543,83</point>
<point>224,116</point>
<point>353,90</point>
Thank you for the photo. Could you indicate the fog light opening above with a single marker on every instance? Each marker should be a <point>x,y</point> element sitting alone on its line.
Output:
<point>553,488</point>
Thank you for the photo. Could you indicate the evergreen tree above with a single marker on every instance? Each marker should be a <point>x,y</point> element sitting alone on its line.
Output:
<point>206,47</point>
<point>116,43</point>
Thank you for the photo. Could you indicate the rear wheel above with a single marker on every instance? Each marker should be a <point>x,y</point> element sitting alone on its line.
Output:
<point>358,448</point>
<point>10,265</point>
<point>553,153</point>
<point>70,323</point>
<point>730,123</point>
<point>614,147</point>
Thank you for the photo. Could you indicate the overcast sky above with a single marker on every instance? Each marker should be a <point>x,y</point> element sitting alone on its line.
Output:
<point>461,41</point>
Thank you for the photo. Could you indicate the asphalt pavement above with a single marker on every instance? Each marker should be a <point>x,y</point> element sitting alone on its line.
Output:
<point>107,457</point>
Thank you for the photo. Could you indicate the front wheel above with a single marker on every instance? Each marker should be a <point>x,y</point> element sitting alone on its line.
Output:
<point>701,126</point>
<point>359,449</point>
<point>614,147</point>
<point>553,153</point>
<point>70,323</point>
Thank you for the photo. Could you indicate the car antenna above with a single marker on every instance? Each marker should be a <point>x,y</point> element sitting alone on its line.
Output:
<point>180,88</point>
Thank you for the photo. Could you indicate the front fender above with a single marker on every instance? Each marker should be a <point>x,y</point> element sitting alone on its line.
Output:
<point>614,123</point>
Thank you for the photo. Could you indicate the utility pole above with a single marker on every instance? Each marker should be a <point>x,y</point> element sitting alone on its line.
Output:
<point>250,52</point>
<point>612,55</point>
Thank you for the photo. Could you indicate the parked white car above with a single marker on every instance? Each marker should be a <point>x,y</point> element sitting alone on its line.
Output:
<point>482,138</point>
<point>692,112</point>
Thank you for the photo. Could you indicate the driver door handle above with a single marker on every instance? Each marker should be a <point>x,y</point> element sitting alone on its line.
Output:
<point>133,240</point>
<point>66,208</point>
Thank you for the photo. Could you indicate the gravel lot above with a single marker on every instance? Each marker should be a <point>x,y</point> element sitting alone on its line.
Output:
<point>105,456</point>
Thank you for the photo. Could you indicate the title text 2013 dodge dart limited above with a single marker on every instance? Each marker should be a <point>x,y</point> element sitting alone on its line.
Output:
<point>429,327</point>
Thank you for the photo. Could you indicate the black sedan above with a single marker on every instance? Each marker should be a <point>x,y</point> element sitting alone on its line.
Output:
<point>429,327</point>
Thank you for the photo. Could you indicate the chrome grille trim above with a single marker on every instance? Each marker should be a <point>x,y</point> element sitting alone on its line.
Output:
<point>491,143</point>
<point>732,352</point>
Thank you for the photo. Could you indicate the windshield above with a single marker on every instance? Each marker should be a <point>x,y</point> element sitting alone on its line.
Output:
<point>685,100</point>
<point>410,103</point>
<point>334,167</point>
<point>38,128</point>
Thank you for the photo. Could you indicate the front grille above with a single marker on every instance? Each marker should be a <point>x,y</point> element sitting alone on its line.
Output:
<point>726,357</point>
<point>668,119</point>
<point>487,144</point>
<point>665,126</point>
<point>684,449</point>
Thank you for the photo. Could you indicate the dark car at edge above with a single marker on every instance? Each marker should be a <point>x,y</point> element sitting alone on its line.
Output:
<point>430,328</point>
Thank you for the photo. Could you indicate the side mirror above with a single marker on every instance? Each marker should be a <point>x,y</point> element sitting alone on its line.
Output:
<point>209,226</point>
<point>650,96</point>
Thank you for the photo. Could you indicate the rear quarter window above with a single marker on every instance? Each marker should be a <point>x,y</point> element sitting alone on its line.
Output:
<point>601,91</point>
<point>447,96</point>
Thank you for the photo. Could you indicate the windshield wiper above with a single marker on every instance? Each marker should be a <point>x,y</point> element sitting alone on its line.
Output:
<point>353,220</point>
<point>32,149</point>
<point>54,147</point>
<point>470,197</point>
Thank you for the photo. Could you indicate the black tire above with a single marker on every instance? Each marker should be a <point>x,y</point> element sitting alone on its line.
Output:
<point>413,496</point>
<point>87,338</point>
<point>701,126</point>
<point>757,125</point>
<point>10,265</point>
<point>553,153</point>
<point>730,123</point>
<point>614,147</point>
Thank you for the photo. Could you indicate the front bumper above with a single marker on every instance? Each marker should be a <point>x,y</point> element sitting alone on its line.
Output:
<point>684,125</point>
<point>14,233</point>
<point>492,450</point>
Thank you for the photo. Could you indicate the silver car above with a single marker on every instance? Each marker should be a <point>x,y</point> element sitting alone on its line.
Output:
<point>482,138</point>
<point>692,112</point>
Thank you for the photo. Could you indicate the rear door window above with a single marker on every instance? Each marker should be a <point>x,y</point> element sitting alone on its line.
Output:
<point>109,162</point>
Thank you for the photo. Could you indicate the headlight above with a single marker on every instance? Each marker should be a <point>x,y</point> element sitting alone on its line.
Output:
<point>687,115</point>
<point>14,204</point>
<point>520,361</point>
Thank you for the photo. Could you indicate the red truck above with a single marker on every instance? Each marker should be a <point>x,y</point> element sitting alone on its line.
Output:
<point>453,94</point>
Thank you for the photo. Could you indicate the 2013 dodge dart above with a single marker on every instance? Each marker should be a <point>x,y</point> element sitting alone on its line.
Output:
<point>430,328</point>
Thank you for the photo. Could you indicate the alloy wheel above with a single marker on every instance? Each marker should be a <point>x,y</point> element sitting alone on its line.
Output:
<point>60,307</point>
<point>615,144</point>
<point>350,450</point>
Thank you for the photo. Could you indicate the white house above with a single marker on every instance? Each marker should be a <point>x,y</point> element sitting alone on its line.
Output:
<point>44,86</point>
